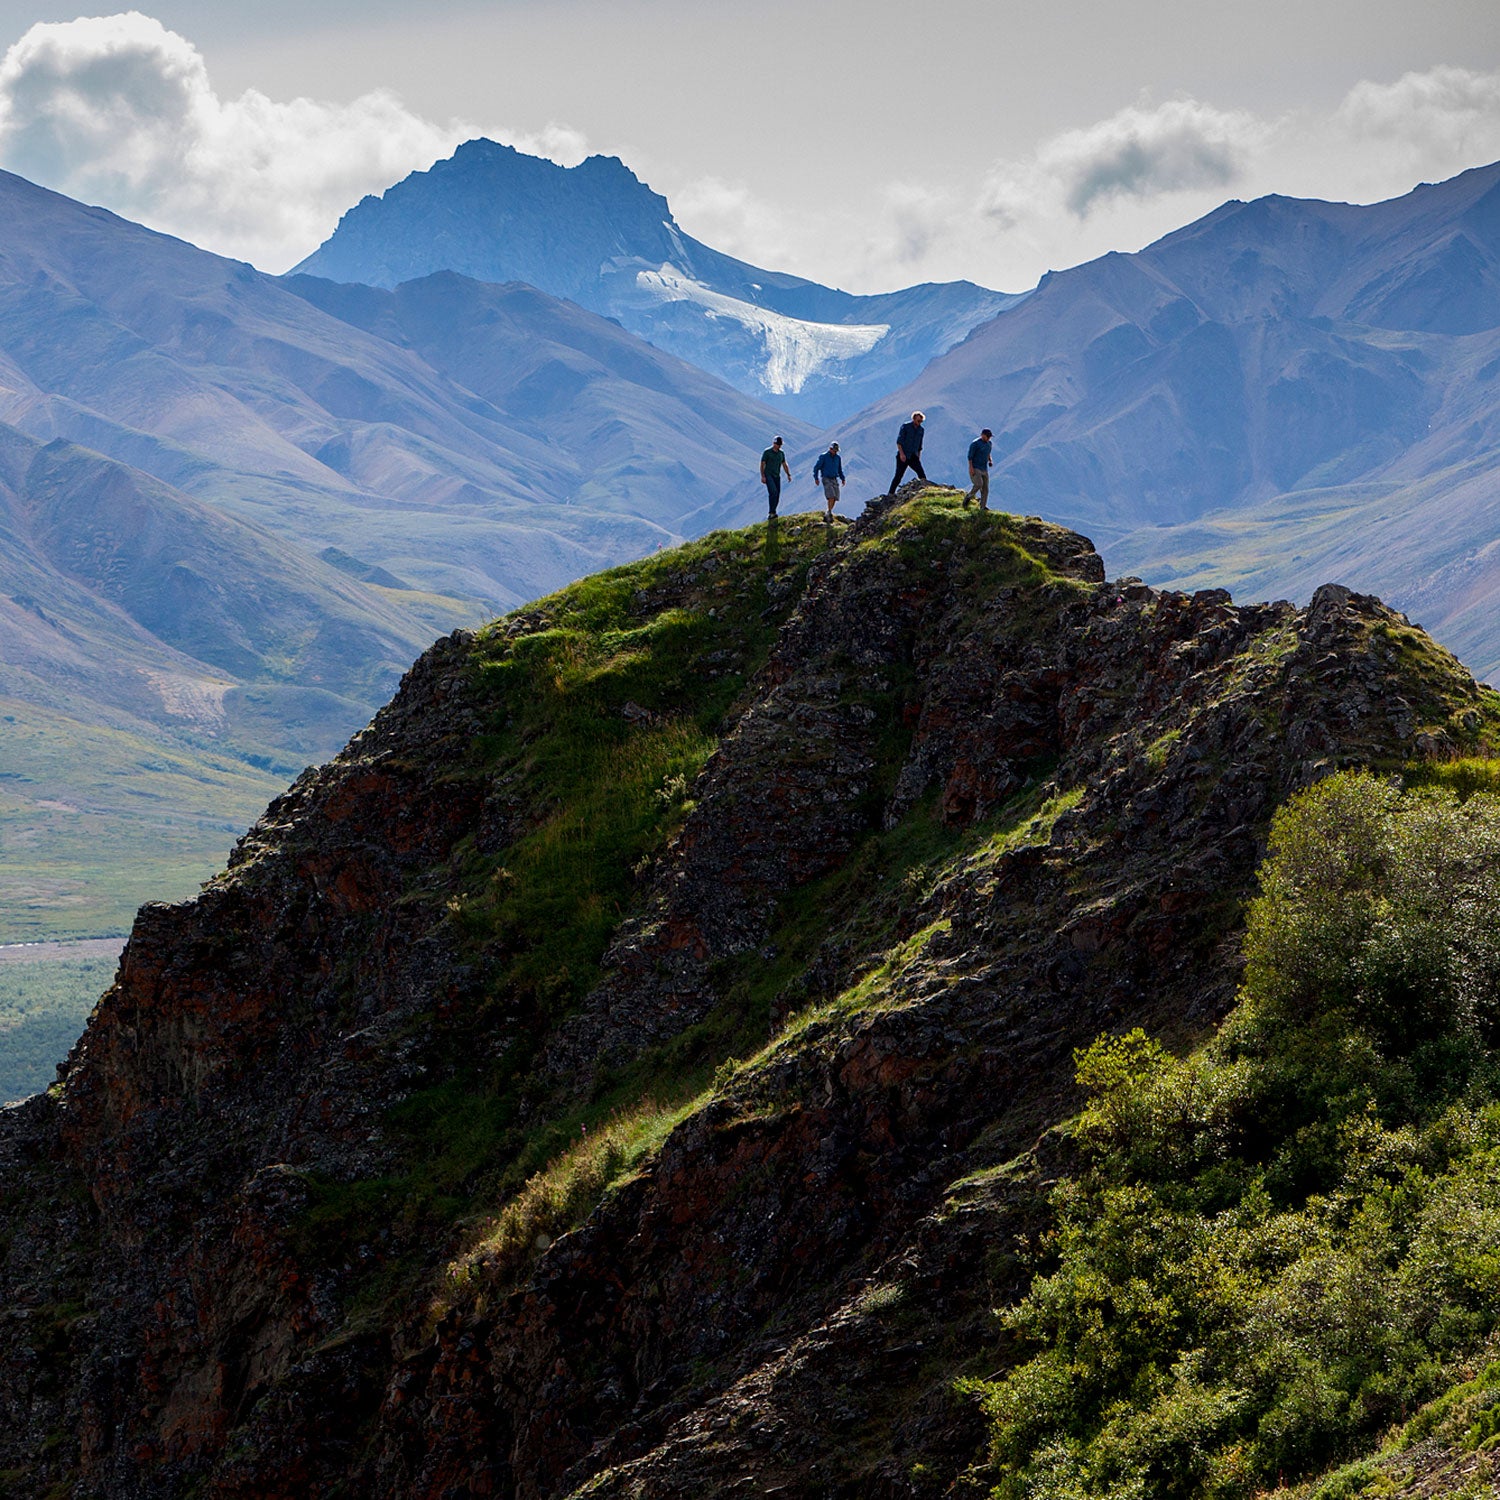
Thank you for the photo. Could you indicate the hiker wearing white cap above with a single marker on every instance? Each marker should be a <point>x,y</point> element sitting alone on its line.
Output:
<point>909,450</point>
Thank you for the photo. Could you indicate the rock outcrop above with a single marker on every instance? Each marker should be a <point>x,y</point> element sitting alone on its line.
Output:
<point>962,804</point>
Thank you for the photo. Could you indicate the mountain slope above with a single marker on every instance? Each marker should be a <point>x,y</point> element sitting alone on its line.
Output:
<point>597,235</point>
<point>627,1068</point>
<point>93,543</point>
<point>230,386</point>
<point>164,667</point>
<point>318,483</point>
<point>635,432</point>
<point>1283,392</point>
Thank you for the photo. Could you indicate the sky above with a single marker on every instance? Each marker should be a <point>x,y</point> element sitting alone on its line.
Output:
<point>860,143</point>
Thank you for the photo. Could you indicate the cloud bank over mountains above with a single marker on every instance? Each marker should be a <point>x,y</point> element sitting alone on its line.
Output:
<point>1132,177</point>
<point>121,111</point>
<point>1122,182</point>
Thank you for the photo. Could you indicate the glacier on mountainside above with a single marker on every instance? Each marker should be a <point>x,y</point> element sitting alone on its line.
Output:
<point>795,349</point>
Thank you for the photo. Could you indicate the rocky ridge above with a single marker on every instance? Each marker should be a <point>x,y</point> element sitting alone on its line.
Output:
<point>951,804</point>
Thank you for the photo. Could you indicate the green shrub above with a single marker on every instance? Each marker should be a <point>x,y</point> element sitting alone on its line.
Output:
<point>1281,1245</point>
<point>1379,907</point>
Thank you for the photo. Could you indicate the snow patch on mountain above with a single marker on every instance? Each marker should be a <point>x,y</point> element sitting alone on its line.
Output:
<point>795,349</point>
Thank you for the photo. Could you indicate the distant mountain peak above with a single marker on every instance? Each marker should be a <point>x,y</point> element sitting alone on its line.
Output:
<point>599,236</point>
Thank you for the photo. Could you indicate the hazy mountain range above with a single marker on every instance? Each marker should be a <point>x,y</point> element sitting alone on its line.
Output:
<point>599,236</point>
<point>1284,393</point>
<point>235,507</point>
<point>347,419</point>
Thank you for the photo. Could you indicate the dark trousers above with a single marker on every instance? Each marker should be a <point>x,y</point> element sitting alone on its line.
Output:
<point>773,491</point>
<point>914,463</point>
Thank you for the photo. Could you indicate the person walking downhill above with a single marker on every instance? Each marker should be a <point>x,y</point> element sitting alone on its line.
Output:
<point>909,450</point>
<point>979,469</point>
<point>772,465</point>
<point>829,469</point>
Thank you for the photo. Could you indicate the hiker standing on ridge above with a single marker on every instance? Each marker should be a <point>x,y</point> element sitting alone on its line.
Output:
<point>979,469</point>
<point>830,470</point>
<point>772,465</point>
<point>909,450</point>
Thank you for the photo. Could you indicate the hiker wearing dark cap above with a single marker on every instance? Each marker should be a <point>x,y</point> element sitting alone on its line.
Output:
<point>829,469</point>
<point>772,465</point>
<point>909,450</point>
<point>979,469</point>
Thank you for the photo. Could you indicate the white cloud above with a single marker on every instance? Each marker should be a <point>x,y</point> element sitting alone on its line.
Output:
<point>1143,153</point>
<point>1440,121</point>
<point>1139,153</point>
<point>1111,185</point>
<point>120,111</point>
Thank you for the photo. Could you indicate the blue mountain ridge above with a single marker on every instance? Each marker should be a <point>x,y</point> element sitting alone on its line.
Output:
<point>1284,393</point>
<point>234,507</point>
<point>598,236</point>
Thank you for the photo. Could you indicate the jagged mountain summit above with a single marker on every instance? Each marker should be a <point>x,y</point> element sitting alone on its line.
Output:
<point>628,1069</point>
<point>596,234</point>
<point>1283,392</point>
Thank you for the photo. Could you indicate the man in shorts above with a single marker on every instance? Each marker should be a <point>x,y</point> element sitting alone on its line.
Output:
<point>979,469</point>
<point>829,471</point>
<point>772,466</point>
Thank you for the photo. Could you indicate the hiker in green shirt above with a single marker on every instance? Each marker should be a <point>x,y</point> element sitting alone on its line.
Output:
<point>772,465</point>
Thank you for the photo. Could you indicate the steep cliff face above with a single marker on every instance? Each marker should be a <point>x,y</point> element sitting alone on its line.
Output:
<point>628,1065</point>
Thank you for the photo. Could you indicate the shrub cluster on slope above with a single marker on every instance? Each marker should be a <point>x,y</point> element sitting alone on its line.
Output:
<point>1278,1247</point>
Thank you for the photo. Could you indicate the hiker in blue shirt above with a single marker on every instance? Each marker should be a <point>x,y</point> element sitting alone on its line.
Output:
<point>979,469</point>
<point>829,471</point>
<point>909,450</point>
